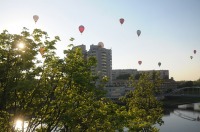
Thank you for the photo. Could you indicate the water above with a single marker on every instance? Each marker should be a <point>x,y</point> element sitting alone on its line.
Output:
<point>185,118</point>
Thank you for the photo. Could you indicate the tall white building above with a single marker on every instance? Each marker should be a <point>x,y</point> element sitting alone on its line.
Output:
<point>104,60</point>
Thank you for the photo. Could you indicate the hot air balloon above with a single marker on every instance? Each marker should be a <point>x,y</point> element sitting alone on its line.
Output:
<point>35,18</point>
<point>159,64</point>
<point>121,20</point>
<point>195,51</point>
<point>139,62</point>
<point>138,32</point>
<point>191,57</point>
<point>41,50</point>
<point>81,28</point>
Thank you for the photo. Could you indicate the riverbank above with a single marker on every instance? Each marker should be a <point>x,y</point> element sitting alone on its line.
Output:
<point>173,102</point>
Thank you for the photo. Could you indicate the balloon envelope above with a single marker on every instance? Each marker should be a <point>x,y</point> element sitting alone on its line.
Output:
<point>139,62</point>
<point>191,57</point>
<point>35,18</point>
<point>159,64</point>
<point>41,50</point>
<point>195,51</point>
<point>138,32</point>
<point>81,28</point>
<point>121,20</point>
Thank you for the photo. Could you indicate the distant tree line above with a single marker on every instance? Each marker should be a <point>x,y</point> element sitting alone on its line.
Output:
<point>182,84</point>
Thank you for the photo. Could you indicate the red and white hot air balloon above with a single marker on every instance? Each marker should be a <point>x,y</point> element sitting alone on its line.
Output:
<point>138,32</point>
<point>121,20</point>
<point>81,28</point>
<point>195,51</point>
<point>35,18</point>
<point>139,62</point>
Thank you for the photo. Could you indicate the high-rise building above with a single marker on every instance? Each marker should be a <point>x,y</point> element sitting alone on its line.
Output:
<point>83,48</point>
<point>104,60</point>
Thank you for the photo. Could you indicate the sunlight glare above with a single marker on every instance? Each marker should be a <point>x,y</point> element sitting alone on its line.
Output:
<point>21,46</point>
<point>18,125</point>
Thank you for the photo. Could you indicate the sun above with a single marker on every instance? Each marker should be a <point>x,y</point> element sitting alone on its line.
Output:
<point>18,124</point>
<point>21,45</point>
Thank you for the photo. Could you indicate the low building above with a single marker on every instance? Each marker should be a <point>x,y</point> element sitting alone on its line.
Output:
<point>117,92</point>
<point>164,74</point>
<point>168,85</point>
<point>123,73</point>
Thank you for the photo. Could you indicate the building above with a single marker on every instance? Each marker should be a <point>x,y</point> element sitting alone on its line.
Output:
<point>104,60</point>
<point>164,74</point>
<point>123,73</point>
<point>168,85</point>
<point>119,83</point>
<point>83,48</point>
<point>120,77</point>
<point>117,92</point>
<point>103,57</point>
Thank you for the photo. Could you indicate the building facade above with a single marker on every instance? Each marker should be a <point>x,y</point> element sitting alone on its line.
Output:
<point>164,74</point>
<point>117,73</point>
<point>103,57</point>
<point>119,78</point>
<point>104,60</point>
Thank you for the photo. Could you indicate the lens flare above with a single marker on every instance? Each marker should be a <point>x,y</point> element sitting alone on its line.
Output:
<point>18,124</point>
<point>21,45</point>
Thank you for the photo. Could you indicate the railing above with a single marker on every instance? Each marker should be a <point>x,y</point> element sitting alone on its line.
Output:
<point>185,92</point>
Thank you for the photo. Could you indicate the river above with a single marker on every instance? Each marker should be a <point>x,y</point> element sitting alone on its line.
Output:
<point>185,118</point>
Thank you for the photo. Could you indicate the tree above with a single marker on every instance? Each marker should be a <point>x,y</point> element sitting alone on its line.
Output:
<point>18,68</point>
<point>51,93</point>
<point>137,76</point>
<point>185,84</point>
<point>144,110</point>
<point>197,82</point>
<point>61,94</point>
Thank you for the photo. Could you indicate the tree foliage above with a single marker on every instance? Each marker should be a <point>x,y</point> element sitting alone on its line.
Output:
<point>61,94</point>
<point>124,76</point>
<point>144,110</point>
<point>197,82</point>
<point>182,84</point>
<point>50,93</point>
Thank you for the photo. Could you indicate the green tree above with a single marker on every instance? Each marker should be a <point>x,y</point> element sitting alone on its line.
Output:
<point>51,93</point>
<point>144,110</point>
<point>185,84</point>
<point>82,108</point>
<point>197,82</point>
<point>18,68</point>
<point>25,89</point>
<point>61,94</point>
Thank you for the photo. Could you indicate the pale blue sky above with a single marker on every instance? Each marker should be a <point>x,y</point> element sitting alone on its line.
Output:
<point>170,29</point>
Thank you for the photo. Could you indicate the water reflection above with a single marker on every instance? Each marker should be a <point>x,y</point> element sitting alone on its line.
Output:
<point>195,106</point>
<point>185,118</point>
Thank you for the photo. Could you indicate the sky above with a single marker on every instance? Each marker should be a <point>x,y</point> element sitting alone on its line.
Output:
<point>170,30</point>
